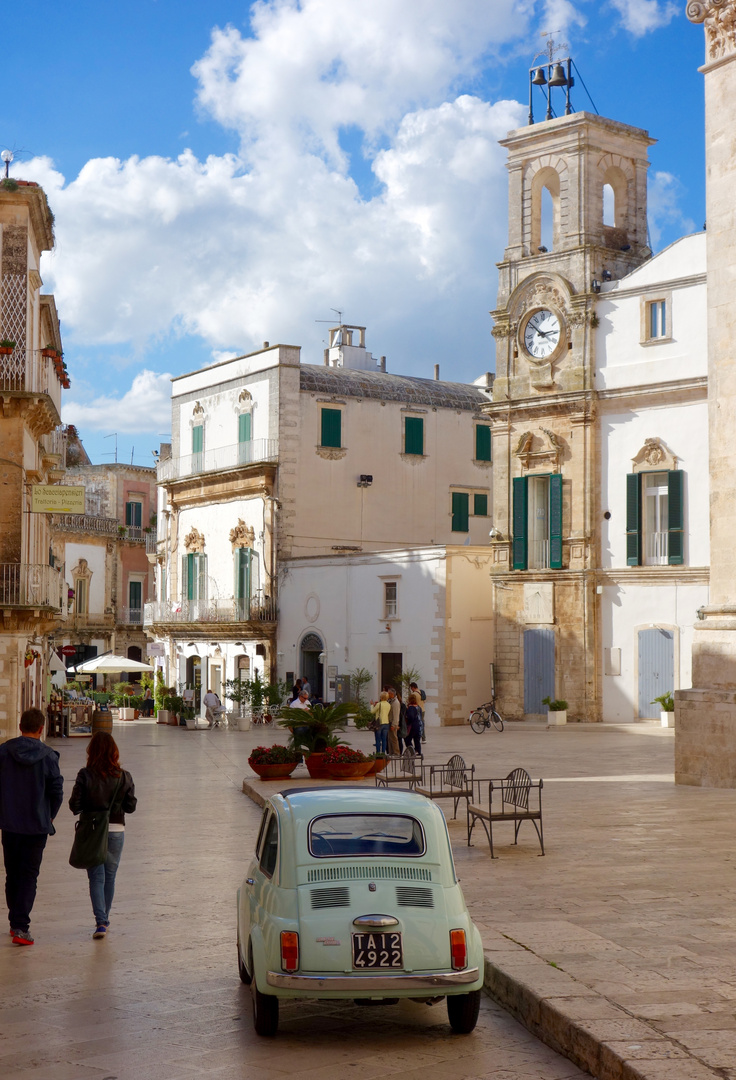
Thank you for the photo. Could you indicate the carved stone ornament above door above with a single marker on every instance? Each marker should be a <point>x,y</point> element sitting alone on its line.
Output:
<point>243,535</point>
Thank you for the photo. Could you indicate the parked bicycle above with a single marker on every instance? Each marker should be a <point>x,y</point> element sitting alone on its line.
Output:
<point>484,717</point>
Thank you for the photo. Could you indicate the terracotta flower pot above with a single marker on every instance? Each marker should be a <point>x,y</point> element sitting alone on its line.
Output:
<point>315,767</point>
<point>377,765</point>
<point>273,772</point>
<point>349,770</point>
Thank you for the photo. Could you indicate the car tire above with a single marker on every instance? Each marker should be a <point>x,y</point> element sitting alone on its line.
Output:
<point>462,1011</point>
<point>265,1008</point>
<point>242,969</point>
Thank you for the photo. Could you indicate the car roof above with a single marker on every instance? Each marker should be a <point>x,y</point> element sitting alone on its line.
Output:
<point>309,802</point>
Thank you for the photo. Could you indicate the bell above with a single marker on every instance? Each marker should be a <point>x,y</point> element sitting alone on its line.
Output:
<point>558,76</point>
<point>539,79</point>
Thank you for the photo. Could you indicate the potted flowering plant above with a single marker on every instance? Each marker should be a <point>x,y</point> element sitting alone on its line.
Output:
<point>6,346</point>
<point>378,763</point>
<point>344,763</point>
<point>273,762</point>
<point>313,732</point>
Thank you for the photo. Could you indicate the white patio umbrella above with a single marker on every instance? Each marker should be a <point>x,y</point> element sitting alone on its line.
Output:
<point>108,663</point>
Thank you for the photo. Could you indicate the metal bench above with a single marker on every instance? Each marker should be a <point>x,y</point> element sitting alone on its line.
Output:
<point>403,768</point>
<point>453,780</point>
<point>506,799</point>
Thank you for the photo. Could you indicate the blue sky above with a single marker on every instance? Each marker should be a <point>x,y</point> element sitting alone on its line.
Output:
<point>226,173</point>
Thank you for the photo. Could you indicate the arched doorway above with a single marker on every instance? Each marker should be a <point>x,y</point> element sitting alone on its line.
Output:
<point>194,679</point>
<point>309,662</point>
<point>134,653</point>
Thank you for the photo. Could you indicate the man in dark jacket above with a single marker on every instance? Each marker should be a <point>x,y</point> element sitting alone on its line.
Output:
<point>31,792</point>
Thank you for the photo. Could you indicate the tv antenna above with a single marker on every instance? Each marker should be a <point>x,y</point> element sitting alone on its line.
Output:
<point>114,436</point>
<point>337,312</point>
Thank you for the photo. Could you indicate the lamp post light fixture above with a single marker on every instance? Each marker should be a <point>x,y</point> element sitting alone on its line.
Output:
<point>7,156</point>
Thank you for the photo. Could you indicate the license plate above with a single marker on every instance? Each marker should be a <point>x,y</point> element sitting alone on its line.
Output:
<point>377,951</point>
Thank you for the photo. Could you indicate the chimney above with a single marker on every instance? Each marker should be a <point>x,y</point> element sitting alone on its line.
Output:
<point>382,365</point>
<point>327,358</point>
<point>266,345</point>
<point>437,372</point>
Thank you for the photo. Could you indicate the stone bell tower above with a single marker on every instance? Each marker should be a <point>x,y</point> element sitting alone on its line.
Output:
<point>577,217</point>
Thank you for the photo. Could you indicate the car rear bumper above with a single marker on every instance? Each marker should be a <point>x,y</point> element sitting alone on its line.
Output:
<point>442,980</point>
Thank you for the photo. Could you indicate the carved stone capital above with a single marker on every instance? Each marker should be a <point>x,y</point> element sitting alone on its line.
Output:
<point>719,19</point>
<point>654,454</point>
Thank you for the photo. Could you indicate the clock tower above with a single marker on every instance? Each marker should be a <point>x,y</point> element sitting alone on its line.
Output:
<point>577,217</point>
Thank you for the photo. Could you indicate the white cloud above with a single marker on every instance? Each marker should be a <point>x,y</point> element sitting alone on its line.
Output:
<point>142,408</point>
<point>562,16</point>
<point>640,17</point>
<point>665,193</point>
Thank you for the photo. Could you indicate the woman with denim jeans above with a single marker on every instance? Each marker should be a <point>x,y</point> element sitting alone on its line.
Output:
<point>382,712</point>
<point>102,784</point>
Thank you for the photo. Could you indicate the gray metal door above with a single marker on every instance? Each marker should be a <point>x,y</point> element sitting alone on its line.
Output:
<point>656,669</point>
<point>539,669</point>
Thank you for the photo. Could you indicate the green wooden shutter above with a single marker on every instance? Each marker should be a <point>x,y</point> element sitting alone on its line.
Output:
<point>555,521</point>
<point>244,427</point>
<point>460,508</point>
<point>185,577</point>
<point>520,522</point>
<point>201,577</point>
<point>633,519</point>
<point>191,576</point>
<point>482,442</point>
<point>480,506</point>
<point>413,435</point>
<point>675,518</point>
<point>197,439</point>
<point>331,427</point>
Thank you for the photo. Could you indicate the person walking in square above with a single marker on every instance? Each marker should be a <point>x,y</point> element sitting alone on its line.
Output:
<point>31,792</point>
<point>394,720</point>
<point>422,698</point>
<point>382,712</point>
<point>102,784</point>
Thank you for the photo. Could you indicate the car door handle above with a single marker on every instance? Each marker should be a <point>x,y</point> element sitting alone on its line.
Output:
<point>250,881</point>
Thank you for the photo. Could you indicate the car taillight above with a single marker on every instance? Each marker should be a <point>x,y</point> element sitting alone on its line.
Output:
<point>289,950</point>
<point>458,949</point>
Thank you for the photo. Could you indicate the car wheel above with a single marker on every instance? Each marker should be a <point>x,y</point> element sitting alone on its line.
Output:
<point>242,969</point>
<point>462,1011</point>
<point>265,1008</point>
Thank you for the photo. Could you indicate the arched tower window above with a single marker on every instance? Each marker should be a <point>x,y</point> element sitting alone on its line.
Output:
<point>609,205</point>
<point>545,223</point>
<point>615,199</point>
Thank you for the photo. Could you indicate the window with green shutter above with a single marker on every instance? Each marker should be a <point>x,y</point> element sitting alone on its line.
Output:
<point>676,518</point>
<point>633,519</point>
<point>243,581</point>
<point>480,505</point>
<point>482,442</point>
<point>194,576</point>
<point>197,448</point>
<point>331,433</point>
<point>460,511</point>
<point>413,435</point>
<point>555,521</point>
<point>520,521</point>
<point>244,427</point>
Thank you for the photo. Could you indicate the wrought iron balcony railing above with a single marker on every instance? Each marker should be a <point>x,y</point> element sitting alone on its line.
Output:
<point>223,457</point>
<point>230,610</point>
<point>31,585</point>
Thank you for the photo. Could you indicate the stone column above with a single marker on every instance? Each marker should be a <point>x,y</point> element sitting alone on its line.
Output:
<point>705,725</point>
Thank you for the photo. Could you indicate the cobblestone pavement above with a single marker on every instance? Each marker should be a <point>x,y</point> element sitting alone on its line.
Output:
<point>160,998</point>
<point>618,945</point>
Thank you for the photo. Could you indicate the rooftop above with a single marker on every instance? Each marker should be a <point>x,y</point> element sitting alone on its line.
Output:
<point>381,385</point>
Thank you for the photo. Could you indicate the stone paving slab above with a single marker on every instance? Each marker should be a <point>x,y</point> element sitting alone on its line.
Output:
<point>617,947</point>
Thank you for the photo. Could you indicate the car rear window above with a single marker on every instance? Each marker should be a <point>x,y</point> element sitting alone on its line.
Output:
<point>365,835</point>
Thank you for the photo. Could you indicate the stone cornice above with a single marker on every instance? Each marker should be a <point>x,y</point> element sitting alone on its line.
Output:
<point>719,19</point>
<point>668,283</point>
<point>693,388</point>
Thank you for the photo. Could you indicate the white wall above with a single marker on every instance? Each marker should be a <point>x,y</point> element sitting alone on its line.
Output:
<point>215,521</point>
<point>95,556</point>
<point>621,358</point>
<point>626,608</point>
<point>684,429</point>
<point>342,601</point>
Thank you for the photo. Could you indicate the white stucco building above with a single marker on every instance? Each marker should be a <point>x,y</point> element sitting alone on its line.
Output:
<point>273,460</point>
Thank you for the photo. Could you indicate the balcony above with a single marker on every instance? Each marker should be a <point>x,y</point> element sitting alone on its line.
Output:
<point>129,616</point>
<point>238,455</point>
<point>30,372</point>
<point>92,620</point>
<point>28,585</point>
<point>85,523</point>
<point>230,611</point>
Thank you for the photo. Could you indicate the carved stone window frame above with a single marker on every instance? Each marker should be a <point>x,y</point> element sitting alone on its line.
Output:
<point>654,456</point>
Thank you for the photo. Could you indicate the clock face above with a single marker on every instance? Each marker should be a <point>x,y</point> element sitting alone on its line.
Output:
<point>542,334</point>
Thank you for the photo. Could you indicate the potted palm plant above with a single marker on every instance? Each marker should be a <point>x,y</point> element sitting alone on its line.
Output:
<point>667,704</point>
<point>313,731</point>
<point>556,710</point>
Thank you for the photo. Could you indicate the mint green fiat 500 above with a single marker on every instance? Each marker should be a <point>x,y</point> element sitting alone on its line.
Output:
<point>352,893</point>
